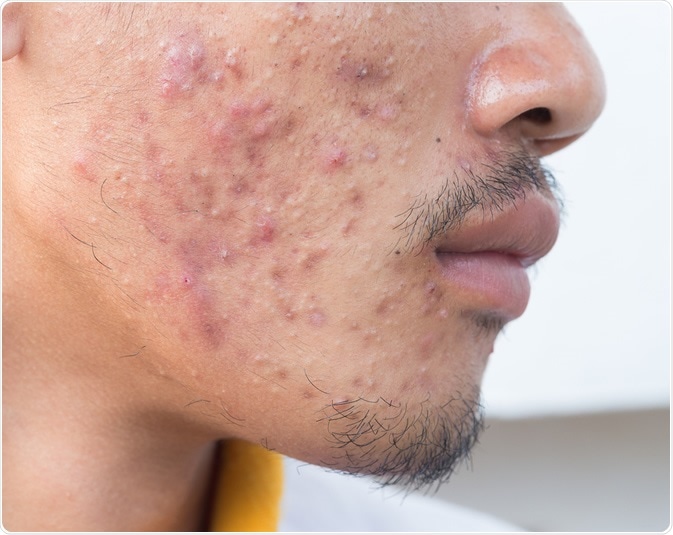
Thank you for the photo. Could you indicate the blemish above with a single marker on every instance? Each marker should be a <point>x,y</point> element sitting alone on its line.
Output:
<point>315,257</point>
<point>233,61</point>
<point>239,109</point>
<point>334,157</point>
<point>317,318</point>
<point>82,167</point>
<point>348,228</point>
<point>266,228</point>
<point>388,112</point>
<point>184,59</point>
<point>299,10</point>
<point>370,153</point>
<point>357,199</point>
<point>356,71</point>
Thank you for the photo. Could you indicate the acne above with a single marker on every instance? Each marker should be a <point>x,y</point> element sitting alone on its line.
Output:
<point>299,12</point>
<point>317,318</point>
<point>243,128</point>
<point>265,230</point>
<point>308,394</point>
<point>433,299</point>
<point>357,199</point>
<point>82,167</point>
<point>184,59</point>
<point>349,227</point>
<point>334,157</point>
<point>385,306</point>
<point>189,291</point>
<point>233,61</point>
<point>359,71</point>
<point>427,345</point>
<point>370,153</point>
<point>314,258</point>
<point>388,112</point>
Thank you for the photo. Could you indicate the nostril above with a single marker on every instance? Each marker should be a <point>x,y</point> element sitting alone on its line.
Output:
<point>538,116</point>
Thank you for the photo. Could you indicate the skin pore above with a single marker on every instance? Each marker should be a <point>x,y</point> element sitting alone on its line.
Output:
<point>221,221</point>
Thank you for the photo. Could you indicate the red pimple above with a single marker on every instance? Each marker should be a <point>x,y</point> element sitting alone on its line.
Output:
<point>334,158</point>
<point>222,134</point>
<point>266,229</point>
<point>388,112</point>
<point>82,167</point>
<point>234,61</point>
<point>260,105</point>
<point>317,318</point>
<point>262,128</point>
<point>239,109</point>
<point>183,62</point>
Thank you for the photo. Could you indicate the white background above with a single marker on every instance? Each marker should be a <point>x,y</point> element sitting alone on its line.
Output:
<point>596,335</point>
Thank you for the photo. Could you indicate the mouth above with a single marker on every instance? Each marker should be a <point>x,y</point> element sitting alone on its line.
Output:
<point>485,260</point>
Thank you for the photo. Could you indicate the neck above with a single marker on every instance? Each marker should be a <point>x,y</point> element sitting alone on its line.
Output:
<point>88,468</point>
<point>83,443</point>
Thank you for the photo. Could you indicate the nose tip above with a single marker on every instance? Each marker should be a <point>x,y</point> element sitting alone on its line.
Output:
<point>544,86</point>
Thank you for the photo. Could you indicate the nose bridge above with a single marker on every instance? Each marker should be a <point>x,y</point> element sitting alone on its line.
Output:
<point>538,79</point>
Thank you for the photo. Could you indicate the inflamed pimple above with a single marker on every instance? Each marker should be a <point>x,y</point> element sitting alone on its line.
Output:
<point>334,157</point>
<point>184,58</point>
<point>265,230</point>
<point>82,166</point>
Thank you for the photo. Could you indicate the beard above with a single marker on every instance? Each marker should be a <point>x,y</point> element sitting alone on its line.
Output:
<point>416,446</point>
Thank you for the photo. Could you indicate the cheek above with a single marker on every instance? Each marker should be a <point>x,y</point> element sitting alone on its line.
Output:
<point>233,197</point>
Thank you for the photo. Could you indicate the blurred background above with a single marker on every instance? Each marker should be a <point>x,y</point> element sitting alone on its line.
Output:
<point>577,393</point>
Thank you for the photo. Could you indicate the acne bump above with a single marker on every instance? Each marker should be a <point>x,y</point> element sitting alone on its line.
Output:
<point>334,157</point>
<point>183,65</point>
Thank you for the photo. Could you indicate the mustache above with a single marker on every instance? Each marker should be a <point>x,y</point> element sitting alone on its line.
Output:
<point>496,187</point>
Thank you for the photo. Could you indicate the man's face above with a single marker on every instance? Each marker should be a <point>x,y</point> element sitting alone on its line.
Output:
<point>308,222</point>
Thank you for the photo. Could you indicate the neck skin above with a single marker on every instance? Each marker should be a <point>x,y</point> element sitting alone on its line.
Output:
<point>82,443</point>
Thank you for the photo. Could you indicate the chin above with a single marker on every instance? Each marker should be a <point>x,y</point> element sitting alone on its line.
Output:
<point>415,444</point>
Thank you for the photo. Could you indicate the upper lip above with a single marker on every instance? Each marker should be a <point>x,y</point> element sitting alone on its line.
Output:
<point>526,231</point>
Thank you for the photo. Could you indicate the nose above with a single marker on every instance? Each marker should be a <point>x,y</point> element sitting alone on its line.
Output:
<point>538,80</point>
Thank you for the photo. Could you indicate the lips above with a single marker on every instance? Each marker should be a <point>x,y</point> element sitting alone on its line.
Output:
<point>485,260</point>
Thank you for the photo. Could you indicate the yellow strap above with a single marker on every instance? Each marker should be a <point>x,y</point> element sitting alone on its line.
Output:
<point>248,490</point>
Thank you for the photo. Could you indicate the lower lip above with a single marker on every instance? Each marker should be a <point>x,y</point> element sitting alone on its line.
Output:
<point>488,281</point>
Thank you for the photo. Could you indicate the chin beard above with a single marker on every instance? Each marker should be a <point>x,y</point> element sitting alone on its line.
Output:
<point>417,446</point>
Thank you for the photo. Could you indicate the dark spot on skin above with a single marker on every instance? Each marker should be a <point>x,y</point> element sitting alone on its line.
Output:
<point>278,274</point>
<point>397,252</point>
<point>438,140</point>
<point>384,307</point>
<point>357,200</point>
<point>314,258</point>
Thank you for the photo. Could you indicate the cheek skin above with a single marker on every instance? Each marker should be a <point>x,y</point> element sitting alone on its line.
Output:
<point>253,216</point>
